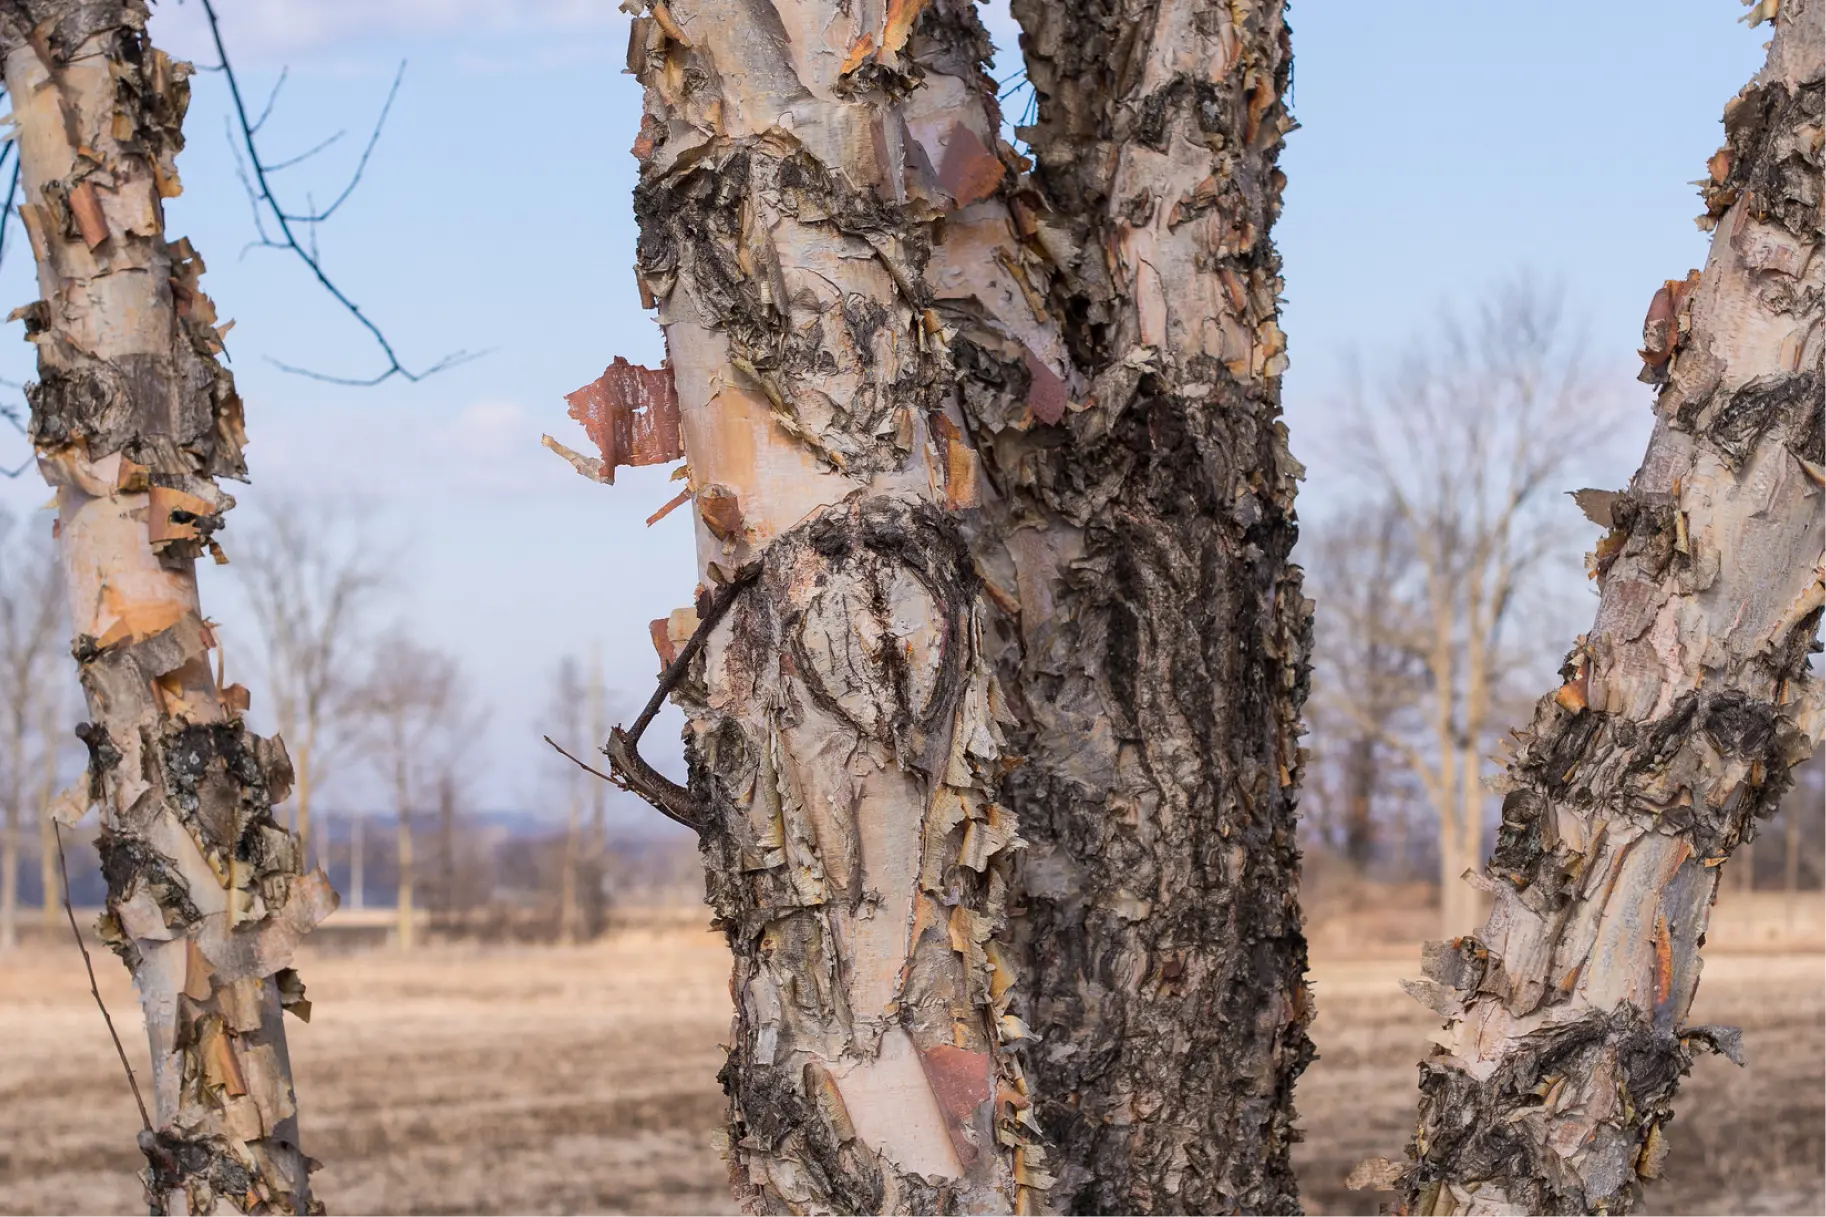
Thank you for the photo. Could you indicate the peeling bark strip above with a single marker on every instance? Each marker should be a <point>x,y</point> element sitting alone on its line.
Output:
<point>1682,714</point>
<point>134,418</point>
<point>631,413</point>
<point>1008,451</point>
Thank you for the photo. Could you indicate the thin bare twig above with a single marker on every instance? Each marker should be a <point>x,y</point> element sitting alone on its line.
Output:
<point>271,99</point>
<point>260,191</point>
<point>586,767</point>
<point>63,868</point>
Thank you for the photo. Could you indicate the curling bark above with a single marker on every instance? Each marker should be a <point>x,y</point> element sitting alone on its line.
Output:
<point>993,752</point>
<point>1682,713</point>
<point>134,418</point>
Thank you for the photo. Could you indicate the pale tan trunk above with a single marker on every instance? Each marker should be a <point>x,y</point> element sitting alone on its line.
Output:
<point>133,418</point>
<point>570,912</point>
<point>358,861</point>
<point>404,932</point>
<point>1442,661</point>
<point>1791,852</point>
<point>11,833</point>
<point>301,765</point>
<point>48,884</point>
<point>1684,710</point>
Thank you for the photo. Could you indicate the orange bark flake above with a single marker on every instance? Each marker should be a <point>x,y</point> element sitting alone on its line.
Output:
<point>721,512</point>
<point>969,171</point>
<point>86,207</point>
<point>859,52</point>
<point>220,1068</point>
<point>1661,328</point>
<point>1046,396</point>
<point>161,501</point>
<point>652,131</point>
<point>662,640</point>
<point>668,23</point>
<point>631,413</point>
<point>677,501</point>
<point>899,25</point>
<point>960,1082</point>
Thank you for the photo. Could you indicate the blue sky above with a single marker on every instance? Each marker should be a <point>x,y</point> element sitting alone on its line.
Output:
<point>1442,147</point>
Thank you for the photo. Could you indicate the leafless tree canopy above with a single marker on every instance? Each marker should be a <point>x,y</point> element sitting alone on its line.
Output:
<point>313,583</point>
<point>419,720</point>
<point>1458,452</point>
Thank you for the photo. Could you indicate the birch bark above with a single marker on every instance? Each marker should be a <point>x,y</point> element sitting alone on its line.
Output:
<point>995,464</point>
<point>1682,714</point>
<point>134,419</point>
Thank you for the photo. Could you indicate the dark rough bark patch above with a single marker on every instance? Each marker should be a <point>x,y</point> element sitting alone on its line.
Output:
<point>695,226</point>
<point>1159,700</point>
<point>1786,188</point>
<point>1476,1133</point>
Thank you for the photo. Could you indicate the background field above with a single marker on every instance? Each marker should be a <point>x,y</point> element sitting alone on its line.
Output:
<point>550,1079</point>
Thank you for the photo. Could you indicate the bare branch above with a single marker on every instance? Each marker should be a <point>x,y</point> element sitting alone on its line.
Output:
<point>260,190</point>
<point>271,98</point>
<point>305,156</point>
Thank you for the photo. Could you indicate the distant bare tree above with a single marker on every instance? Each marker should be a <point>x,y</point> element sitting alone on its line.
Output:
<point>1466,442</point>
<point>55,735</point>
<point>418,717</point>
<point>1366,677</point>
<point>31,621</point>
<point>571,714</point>
<point>313,585</point>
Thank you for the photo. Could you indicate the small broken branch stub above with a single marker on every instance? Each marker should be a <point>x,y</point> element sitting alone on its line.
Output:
<point>629,768</point>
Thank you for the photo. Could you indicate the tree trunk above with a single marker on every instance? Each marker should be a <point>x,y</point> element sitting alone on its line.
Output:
<point>133,419</point>
<point>302,794</point>
<point>1010,466</point>
<point>1360,773</point>
<point>1791,852</point>
<point>358,857</point>
<point>402,906</point>
<point>570,910</point>
<point>1683,712</point>
<point>49,729</point>
<point>11,832</point>
<point>446,836</point>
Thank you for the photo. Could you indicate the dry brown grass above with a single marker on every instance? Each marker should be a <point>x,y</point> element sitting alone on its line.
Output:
<point>583,1080</point>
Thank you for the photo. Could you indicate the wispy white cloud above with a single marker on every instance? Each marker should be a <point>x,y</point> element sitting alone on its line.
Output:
<point>266,30</point>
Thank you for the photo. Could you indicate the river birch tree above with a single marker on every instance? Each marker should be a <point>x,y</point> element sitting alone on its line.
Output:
<point>1464,441</point>
<point>993,684</point>
<point>134,418</point>
<point>1682,712</point>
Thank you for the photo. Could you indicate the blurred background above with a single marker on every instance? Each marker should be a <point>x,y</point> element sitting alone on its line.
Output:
<point>1481,201</point>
